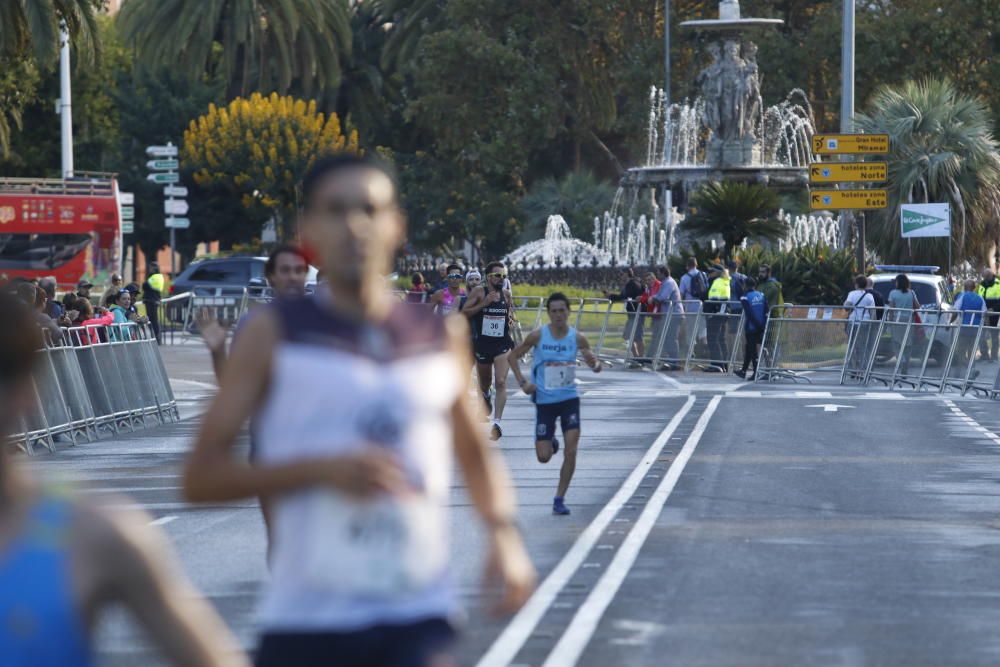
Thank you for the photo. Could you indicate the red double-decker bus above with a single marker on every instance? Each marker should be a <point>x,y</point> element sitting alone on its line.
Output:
<point>70,229</point>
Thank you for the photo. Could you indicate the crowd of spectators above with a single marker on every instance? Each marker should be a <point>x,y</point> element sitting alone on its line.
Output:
<point>78,317</point>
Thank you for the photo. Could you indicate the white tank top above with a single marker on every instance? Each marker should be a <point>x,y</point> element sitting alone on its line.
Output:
<point>337,563</point>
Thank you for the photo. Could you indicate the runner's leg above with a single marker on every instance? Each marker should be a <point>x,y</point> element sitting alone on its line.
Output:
<point>485,372</point>
<point>545,431</point>
<point>572,438</point>
<point>502,367</point>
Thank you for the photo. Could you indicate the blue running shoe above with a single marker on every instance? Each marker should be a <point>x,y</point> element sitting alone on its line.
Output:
<point>559,507</point>
<point>555,445</point>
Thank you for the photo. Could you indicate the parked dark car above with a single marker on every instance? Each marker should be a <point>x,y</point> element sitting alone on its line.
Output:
<point>225,277</point>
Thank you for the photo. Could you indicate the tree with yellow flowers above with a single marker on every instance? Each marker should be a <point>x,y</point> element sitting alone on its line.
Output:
<point>259,148</point>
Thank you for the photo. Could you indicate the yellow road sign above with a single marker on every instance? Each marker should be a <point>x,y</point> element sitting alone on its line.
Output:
<point>848,172</point>
<point>841,144</point>
<point>848,199</point>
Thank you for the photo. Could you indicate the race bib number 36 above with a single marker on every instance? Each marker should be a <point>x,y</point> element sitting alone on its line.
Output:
<point>559,376</point>
<point>493,325</point>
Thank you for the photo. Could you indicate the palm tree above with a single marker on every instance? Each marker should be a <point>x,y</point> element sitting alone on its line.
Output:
<point>31,27</point>
<point>411,20</point>
<point>267,45</point>
<point>735,211</point>
<point>941,150</point>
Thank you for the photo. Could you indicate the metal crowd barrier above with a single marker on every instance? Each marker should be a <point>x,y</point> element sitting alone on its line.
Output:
<point>96,379</point>
<point>925,350</point>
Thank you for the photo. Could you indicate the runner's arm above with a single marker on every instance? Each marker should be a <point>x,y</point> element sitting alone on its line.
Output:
<point>583,345</point>
<point>134,566</point>
<point>514,356</point>
<point>475,303</point>
<point>212,474</point>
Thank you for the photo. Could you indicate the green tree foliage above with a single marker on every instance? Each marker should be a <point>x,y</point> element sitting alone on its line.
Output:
<point>259,148</point>
<point>19,78</point>
<point>942,150</point>
<point>254,45</point>
<point>735,211</point>
<point>578,197</point>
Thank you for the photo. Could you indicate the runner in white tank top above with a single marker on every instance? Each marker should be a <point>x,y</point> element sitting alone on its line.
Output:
<point>354,452</point>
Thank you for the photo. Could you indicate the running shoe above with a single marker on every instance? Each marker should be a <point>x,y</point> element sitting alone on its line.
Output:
<point>559,507</point>
<point>495,432</point>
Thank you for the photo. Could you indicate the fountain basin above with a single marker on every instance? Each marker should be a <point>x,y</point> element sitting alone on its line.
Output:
<point>780,176</point>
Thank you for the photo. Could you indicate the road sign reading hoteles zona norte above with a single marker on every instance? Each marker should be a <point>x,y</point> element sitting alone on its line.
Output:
<point>848,199</point>
<point>846,144</point>
<point>848,172</point>
<point>925,220</point>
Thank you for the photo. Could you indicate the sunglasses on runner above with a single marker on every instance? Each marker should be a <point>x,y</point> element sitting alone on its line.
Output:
<point>500,274</point>
<point>454,276</point>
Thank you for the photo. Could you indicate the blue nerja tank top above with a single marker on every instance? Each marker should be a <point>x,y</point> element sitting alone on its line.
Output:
<point>39,621</point>
<point>554,367</point>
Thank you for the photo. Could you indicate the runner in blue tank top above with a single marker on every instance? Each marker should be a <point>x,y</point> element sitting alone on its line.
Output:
<point>553,387</point>
<point>65,561</point>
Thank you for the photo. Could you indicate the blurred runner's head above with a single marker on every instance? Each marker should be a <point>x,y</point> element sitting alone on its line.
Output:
<point>351,219</point>
<point>557,306</point>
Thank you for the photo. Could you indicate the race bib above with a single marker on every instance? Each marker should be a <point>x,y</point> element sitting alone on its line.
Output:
<point>493,325</point>
<point>380,548</point>
<point>559,376</point>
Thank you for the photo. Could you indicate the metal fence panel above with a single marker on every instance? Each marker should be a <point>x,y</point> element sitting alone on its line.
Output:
<point>804,341</point>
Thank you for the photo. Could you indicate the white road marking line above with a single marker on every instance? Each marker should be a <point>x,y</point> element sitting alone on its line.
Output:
<point>517,632</point>
<point>163,520</point>
<point>666,378</point>
<point>581,629</point>
<point>969,420</point>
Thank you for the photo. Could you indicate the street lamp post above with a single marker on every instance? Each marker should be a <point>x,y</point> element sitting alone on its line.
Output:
<point>847,117</point>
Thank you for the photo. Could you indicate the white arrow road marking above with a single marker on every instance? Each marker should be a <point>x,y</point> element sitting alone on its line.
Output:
<point>831,407</point>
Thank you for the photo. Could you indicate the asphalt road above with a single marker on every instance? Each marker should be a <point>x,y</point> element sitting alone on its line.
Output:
<point>713,524</point>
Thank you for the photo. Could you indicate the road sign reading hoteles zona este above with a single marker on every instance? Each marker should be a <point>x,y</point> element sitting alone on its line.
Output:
<point>848,172</point>
<point>925,220</point>
<point>163,165</point>
<point>848,199</point>
<point>162,151</point>
<point>165,177</point>
<point>847,144</point>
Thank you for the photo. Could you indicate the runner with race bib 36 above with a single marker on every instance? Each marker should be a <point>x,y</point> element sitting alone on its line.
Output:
<point>553,387</point>
<point>491,312</point>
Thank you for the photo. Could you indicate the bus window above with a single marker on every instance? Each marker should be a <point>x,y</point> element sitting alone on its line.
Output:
<point>26,252</point>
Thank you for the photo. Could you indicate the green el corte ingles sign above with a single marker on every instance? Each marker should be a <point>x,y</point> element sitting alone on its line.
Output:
<point>925,220</point>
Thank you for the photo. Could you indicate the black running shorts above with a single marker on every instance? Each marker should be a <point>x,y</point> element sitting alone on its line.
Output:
<point>420,644</point>
<point>567,412</point>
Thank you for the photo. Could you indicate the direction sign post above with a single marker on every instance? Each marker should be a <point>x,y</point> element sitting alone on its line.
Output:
<point>833,200</point>
<point>848,172</point>
<point>165,167</point>
<point>850,144</point>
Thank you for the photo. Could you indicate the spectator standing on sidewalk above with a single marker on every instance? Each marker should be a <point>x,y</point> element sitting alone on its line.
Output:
<point>630,294</point>
<point>668,302</point>
<point>694,290</point>
<point>754,324</point>
<point>861,311</point>
<point>418,289</point>
<point>716,309</point>
<point>53,308</point>
<point>971,307</point>
<point>769,286</point>
<point>903,302</point>
<point>737,288</point>
<point>65,562</point>
<point>989,289</point>
<point>34,298</point>
<point>877,298</point>
<point>152,294</point>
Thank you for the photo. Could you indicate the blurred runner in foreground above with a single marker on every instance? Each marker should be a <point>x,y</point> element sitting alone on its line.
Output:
<point>354,452</point>
<point>64,562</point>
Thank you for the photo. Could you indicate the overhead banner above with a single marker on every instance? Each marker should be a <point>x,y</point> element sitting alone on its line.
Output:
<point>925,220</point>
